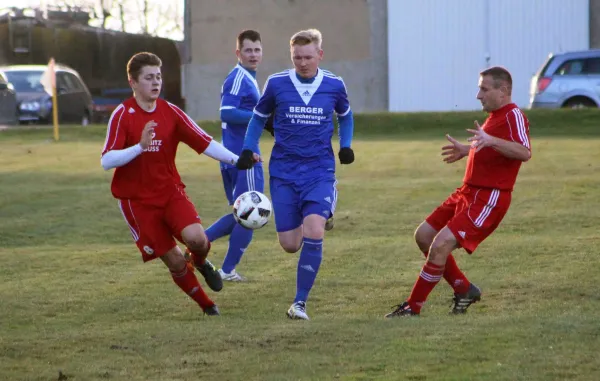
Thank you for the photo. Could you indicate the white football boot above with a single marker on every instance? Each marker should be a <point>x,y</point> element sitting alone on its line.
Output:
<point>233,276</point>
<point>298,311</point>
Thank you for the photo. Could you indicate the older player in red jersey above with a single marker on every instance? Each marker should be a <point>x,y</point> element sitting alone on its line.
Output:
<point>141,143</point>
<point>473,211</point>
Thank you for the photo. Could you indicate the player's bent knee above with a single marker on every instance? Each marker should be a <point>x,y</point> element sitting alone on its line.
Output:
<point>314,226</point>
<point>424,236</point>
<point>289,248</point>
<point>290,244</point>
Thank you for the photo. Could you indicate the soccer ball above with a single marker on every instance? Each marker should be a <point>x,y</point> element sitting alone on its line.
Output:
<point>252,210</point>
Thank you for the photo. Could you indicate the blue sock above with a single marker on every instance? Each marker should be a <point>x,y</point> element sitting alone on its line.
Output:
<point>308,267</point>
<point>239,240</point>
<point>224,226</point>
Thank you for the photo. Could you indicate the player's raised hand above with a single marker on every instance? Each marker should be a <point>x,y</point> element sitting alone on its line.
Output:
<point>246,159</point>
<point>147,134</point>
<point>455,151</point>
<point>480,138</point>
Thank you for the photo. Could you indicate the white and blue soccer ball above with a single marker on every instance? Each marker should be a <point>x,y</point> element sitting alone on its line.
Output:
<point>252,210</point>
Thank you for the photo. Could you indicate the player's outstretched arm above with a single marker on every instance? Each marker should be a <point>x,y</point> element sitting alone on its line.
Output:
<point>234,115</point>
<point>120,157</point>
<point>346,132</point>
<point>255,128</point>
<point>455,151</point>
<point>218,152</point>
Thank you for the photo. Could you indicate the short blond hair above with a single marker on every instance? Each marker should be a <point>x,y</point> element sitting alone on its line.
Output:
<point>305,37</point>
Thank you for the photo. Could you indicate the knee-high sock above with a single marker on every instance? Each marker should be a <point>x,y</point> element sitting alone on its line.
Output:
<point>308,267</point>
<point>239,240</point>
<point>188,283</point>
<point>454,276</point>
<point>428,278</point>
<point>221,228</point>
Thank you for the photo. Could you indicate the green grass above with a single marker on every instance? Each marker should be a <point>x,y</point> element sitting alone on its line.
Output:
<point>76,298</point>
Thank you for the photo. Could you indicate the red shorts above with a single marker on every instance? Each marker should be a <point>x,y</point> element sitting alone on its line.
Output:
<point>471,214</point>
<point>153,228</point>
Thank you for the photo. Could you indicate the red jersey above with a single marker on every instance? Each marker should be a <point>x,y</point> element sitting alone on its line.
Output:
<point>152,176</point>
<point>488,168</point>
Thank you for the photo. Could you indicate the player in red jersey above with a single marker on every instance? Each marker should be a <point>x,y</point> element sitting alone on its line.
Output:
<point>476,209</point>
<point>141,143</point>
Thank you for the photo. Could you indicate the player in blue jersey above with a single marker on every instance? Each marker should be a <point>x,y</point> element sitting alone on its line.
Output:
<point>239,96</point>
<point>302,166</point>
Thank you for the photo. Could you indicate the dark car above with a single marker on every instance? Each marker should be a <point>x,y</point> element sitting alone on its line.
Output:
<point>8,103</point>
<point>35,104</point>
<point>108,101</point>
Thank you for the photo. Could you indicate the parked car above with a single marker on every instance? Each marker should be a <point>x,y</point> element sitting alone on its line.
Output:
<point>108,101</point>
<point>570,79</point>
<point>8,103</point>
<point>35,105</point>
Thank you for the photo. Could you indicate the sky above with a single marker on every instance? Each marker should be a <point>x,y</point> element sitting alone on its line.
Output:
<point>165,16</point>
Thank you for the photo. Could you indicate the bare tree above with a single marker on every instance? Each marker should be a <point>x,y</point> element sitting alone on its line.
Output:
<point>159,18</point>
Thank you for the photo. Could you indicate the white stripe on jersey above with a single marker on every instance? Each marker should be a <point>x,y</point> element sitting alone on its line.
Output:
<point>260,114</point>
<point>346,112</point>
<point>120,107</point>
<point>237,83</point>
<point>521,128</point>
<point>190,123</point>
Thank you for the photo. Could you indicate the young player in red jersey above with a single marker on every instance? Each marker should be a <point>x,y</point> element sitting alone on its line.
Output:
<point>141,143</point>
<point>476,209</point>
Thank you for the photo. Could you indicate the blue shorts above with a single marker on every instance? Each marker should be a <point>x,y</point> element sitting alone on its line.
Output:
<point>294,200</point>
<point>237,181</point>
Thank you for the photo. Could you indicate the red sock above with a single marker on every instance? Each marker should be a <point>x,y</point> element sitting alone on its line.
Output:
<point>455,278</point>
<point>188,283</point>
<point>429,277</point>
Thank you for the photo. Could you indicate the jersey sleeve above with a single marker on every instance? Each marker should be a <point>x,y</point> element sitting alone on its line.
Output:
<point>232,91</point>
<point>189,132</point>
<point>266,103</point>
<point>518,126</point>
<point>116,131</point>
<point>342,105</point>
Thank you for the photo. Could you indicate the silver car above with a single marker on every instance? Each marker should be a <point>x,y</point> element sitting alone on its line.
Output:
<point>570,79</point>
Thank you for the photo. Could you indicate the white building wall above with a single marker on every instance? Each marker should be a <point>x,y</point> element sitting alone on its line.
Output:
<point>436,48</point>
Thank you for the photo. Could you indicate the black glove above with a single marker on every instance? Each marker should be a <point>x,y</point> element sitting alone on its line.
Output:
<point>269,125</point>
<point>346,155</point>
<point>245,160</point>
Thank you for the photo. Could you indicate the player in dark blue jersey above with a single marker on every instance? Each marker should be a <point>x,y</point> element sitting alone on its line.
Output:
<point>302,166</point>
<point>239,96</point>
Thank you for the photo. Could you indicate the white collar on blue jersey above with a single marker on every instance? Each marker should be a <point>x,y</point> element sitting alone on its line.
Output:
<point>306,90</point>
<point>250,77</point>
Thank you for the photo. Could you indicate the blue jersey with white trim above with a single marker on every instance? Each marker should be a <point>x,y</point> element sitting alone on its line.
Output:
<point>303,122</point>
<point>240,91</point>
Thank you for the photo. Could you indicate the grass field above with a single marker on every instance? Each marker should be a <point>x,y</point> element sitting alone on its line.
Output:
<point>75,297</point>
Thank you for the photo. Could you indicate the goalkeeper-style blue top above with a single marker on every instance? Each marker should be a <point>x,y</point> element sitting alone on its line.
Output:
<point>303,123</point>
<point>239,96</point>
